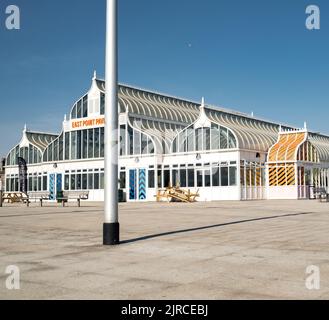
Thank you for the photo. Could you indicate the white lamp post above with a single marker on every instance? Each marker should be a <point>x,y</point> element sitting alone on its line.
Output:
<point>111,228</point>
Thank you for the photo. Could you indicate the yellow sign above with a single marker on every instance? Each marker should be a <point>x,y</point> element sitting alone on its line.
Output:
<point>88,123</point>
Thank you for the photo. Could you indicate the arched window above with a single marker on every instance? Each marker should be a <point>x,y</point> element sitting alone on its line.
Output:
<point>201,139</point>
<point>30,154</point>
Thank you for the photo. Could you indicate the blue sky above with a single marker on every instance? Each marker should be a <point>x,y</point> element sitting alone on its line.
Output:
<point>251,55</point>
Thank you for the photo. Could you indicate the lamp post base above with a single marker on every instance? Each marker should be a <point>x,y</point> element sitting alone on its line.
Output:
<point>111,234</point>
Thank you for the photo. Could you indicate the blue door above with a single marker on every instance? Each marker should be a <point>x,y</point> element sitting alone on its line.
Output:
<point>59,180</point>
<point>52,191</point>
<point>132,184</point>
<point>142,184</point>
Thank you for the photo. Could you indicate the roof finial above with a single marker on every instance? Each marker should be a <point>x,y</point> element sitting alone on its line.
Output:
<point>305,125</point>
<point>65,117</point>
<point>25,127</point>
<point>202,103</point>
<point>95,75</point>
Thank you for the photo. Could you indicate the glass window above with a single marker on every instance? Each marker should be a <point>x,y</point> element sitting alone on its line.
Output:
<point>130,141</point>
<point>198,139</point>
<point>78,182</point>
<point>151,183</point>
<point>102,111</point>
<point>207,178</point>
<point>74,112</point>
<point>223,138</point>
<point>231,140</point>
<point>85,106</point>
<point>190,139</point>
<point>84,182</point>
<point>90,143</point>
<point>191,178</point>
<point>137,142</point>
<point>182,142</point>
<point>122,180</point>
<point>102,143</point>
<point>44,183</point>
<point>199,178</point>
<point>79,155</point>
<point>79,109</point>
<point>182,176</point>
<point>73,145</point>
<point>215,177</point>
<point>67,146</point>
<point>67,182</point>
<point>175,178</point>
<point>214,137</point>
<point>224,176</point>
<point>96,181</point>
<point>84,144</point>
<point>166,178</point>
<point>96,143</point>
<point>73,182</point>
<point>90,181</point>
<point>122,140</point>
<point>159,178</point>
<point>101,181</point>
<point>144,144</point>
<point>206,139</point>
<point>60,148</point>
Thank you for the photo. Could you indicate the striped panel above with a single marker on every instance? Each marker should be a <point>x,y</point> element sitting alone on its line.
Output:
<point>274,150</point>
<point>132,184</point>
<point>258,177</point>
<point>52,195</point>
<point>273,176</point>
<point>142,184</point>
<point>290,175</point>
<point>291,150</point>
<point>281,176</point>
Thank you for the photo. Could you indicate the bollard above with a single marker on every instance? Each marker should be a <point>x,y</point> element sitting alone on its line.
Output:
<point>1,198</point>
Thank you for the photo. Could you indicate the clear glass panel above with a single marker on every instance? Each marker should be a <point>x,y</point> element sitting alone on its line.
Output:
<point>90,143</point>
<point>199,178</point>
<point>102,143</point>
<point>144,144</point>
<point>67,146</point>
<point>79,146</point>
<point>232,141</point>
<point>137,142</point>
<point>190,139</point>
<point>198,139</point>
<point>74,112</point>
<point>85,107</point>
<point>206,139</point>
<point>79,109</point>
<point>182,175</point>
<point>151,179</point>
<point>122,140</point>
<point>223,138</point>
<point>215,137</point>
<point>73,145</point>
<point>102,110</point>
<point>233,176</point>
<point>84,144</point>
<point>224,176</point>
<point>96,143</point>
<point>215,177</point>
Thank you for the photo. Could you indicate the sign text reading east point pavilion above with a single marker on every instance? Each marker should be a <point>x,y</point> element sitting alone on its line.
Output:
<point>88,123</point>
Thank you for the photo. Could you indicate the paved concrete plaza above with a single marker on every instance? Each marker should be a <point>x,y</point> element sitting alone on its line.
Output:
<point>218,250</point>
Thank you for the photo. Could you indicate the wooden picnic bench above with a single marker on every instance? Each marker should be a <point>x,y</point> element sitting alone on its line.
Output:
<point>15,197</point>
<point>39,196</point>
<point>321,194</point>
<point>73,195</point>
